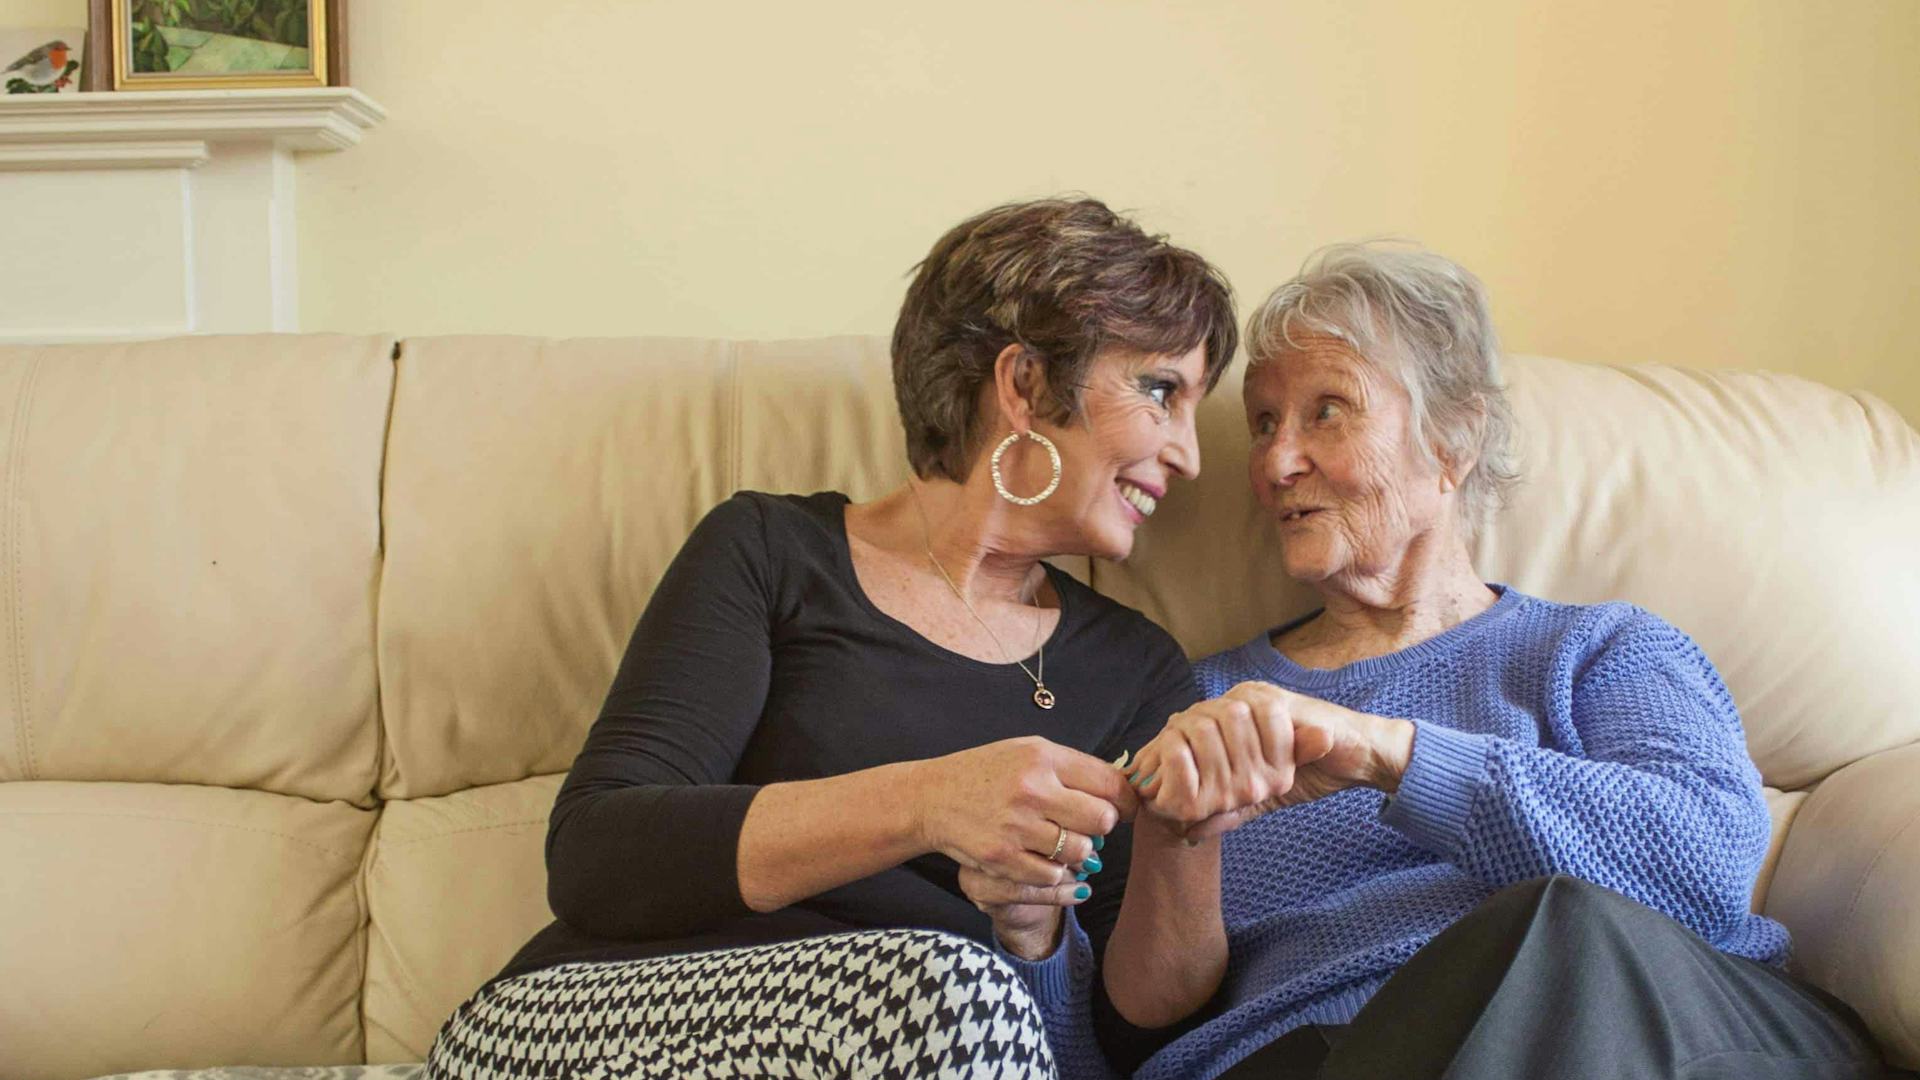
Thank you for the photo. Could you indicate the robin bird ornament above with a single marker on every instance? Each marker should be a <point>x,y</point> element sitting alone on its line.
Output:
<point>44,65</point>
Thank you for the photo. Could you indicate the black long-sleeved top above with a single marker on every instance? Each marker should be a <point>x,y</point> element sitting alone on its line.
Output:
<point>760,659</point>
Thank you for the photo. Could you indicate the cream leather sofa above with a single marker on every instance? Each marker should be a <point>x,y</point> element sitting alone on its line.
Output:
<point>301,637</point>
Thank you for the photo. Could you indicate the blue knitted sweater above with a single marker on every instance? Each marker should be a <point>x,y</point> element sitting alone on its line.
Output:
<point>1596,741</point>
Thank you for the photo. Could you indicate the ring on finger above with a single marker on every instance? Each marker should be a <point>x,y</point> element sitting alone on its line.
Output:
<point>1059,845</point>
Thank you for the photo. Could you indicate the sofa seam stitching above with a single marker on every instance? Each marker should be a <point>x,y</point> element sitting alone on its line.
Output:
<point>295,840</point>
<point>22,690</point>
<point>1860,890</point>
<point>404,982</point>
<point>363,892</point>
<point>408,986</point>
<point>462,832</point>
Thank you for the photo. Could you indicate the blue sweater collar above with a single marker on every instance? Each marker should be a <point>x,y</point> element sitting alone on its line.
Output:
<point>1261,656</point>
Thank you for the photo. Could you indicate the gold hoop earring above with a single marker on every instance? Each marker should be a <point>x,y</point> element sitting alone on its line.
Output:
<point>1000,483</point>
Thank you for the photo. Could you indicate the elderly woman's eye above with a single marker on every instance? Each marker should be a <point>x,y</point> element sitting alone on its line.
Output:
<point>1160,392</point>
<point>1263,425</point>
<point>1327,410</point>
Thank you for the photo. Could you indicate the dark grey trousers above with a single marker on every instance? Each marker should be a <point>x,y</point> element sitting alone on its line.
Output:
<point>1557,978</point>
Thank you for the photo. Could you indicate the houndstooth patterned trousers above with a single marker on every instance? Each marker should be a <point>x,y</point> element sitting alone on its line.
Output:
<point>891,1003</point>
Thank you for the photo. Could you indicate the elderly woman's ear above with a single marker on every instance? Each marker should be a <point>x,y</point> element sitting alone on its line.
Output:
<point>1457,462</point>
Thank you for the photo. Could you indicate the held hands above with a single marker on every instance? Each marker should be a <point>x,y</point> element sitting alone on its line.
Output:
<point>999,810</point>
<point>1257,748</point>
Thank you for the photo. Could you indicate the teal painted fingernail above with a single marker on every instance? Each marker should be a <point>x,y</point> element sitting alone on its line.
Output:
<point>1082,893</point>
<point>1099,843</point>
<point>1081,876</point>
<point>1149,779</point>
<point>1092,864</point>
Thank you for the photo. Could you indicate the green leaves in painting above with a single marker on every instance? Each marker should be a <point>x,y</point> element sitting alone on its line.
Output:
<point>283,22</point>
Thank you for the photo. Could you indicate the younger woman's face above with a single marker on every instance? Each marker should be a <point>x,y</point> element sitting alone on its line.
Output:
<point>1134,433</point>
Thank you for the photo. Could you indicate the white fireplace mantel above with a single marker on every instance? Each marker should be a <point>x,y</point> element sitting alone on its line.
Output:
<point>156,213</point>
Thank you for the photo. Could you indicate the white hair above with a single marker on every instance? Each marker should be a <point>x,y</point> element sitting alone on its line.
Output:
<point>1423,318</point>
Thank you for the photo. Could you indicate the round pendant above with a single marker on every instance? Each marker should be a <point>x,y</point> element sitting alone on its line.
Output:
<point>1043,697</point>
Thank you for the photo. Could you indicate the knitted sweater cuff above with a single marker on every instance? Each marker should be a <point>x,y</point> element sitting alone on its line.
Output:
<point>1062,976</point>
<point>1437,792</point>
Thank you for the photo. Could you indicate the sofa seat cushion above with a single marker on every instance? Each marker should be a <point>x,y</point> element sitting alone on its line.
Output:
<point>455,886</point>
<point>218,926</point>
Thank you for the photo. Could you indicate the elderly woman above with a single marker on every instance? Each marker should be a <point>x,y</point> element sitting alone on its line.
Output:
<point>1467,832</point>
<point>852,776</point>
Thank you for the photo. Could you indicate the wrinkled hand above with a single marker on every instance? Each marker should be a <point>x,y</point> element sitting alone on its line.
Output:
<point>998,809</point>
<point>1259,747</point>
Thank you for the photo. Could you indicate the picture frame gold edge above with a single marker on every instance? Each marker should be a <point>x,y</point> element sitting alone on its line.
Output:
<point>117,40</point>
<point>139,85</point>
<point>320,14</point>
<point>317,40</point>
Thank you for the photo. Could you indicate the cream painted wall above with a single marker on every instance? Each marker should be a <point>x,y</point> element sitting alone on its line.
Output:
<point>1713,182</point>
<point>42,13</point>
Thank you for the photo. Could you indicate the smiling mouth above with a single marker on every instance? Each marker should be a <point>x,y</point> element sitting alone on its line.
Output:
<point>1137,498</point>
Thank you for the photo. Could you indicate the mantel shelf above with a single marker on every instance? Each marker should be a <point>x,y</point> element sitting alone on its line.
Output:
<point>170,129</point>
<point>173,211</point>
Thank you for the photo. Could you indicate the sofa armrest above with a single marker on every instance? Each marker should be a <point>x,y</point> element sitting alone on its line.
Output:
<point>1845,887</point>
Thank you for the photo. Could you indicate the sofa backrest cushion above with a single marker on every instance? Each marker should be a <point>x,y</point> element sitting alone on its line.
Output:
<point>191,537</point>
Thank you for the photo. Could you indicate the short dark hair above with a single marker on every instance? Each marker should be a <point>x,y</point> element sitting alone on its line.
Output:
<point>1062,278</point>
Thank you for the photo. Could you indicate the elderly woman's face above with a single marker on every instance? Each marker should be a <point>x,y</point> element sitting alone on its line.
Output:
<point>1335,464</point>
<point>1134,435</point>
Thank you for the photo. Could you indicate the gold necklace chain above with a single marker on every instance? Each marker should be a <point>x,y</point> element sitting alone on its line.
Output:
<point>1042,696</point>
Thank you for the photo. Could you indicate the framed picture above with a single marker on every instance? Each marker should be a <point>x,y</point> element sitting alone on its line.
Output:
<point>219,44</point>
<point>42,61</point>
